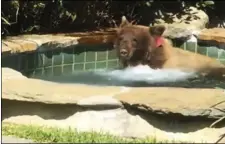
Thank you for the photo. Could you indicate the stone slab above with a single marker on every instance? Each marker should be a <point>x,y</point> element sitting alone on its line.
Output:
<point>188,102</point>
<point>25,43</point>
<point>214,34</point>
<point>35,90</point>
<point>185,101</point>
<point>19,92</point>
<point>9,73</point>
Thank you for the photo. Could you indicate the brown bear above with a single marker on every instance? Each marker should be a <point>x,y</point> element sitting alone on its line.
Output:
<point>131,44</point>
<point>136,44</point>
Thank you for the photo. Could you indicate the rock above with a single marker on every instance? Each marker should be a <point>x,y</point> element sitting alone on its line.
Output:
<point>214,34</point>
<point>117,122</point>
<point>19,45</point>
<point>131,112</point>
<point>24,43</point>
<point>106,101</point>
<point>11,74</point>
<point>50,92</point>
<point>187,102</point>
<point>177,31</point>
<point>192,22</point>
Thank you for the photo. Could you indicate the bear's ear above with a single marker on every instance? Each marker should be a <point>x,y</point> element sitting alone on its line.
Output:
<point>156,32</point>
<point>124,22</point>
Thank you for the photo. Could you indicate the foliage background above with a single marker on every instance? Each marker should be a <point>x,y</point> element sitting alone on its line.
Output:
<point>23,16</point>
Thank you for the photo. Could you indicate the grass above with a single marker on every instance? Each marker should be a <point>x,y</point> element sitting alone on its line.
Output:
<point>57,135</point>
<point>44,134</point>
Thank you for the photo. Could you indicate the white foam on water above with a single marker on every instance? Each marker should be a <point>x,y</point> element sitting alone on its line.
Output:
<point>144,73</point>
<point>131,76</point>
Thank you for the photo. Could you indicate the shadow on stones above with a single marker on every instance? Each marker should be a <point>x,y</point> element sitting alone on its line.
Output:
<point>173,122</point>
<point>166,122</point>
<point>46,111</point>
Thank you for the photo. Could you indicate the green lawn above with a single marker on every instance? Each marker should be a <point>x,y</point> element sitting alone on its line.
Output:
<point>43,134</point>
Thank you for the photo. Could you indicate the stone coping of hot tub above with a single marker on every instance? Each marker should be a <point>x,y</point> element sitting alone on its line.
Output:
<point>24,43</point>
<point>208,103</point>
<point>167,114</point>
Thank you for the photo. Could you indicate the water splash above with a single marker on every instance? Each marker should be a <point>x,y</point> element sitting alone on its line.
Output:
<point>139,76</point>
<point>144,73</point>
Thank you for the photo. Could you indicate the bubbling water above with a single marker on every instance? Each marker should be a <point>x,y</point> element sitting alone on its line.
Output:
<point>138,76</point>
<point>143,73</point>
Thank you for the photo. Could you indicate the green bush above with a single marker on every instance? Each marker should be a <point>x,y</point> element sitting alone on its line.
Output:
<point>64,16</point>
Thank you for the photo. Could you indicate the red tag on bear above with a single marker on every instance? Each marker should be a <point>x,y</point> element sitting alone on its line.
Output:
<point>159,41</point>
